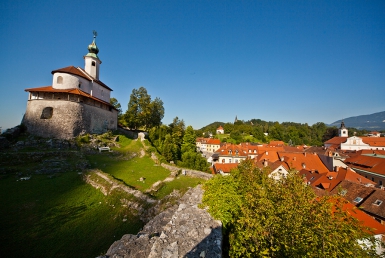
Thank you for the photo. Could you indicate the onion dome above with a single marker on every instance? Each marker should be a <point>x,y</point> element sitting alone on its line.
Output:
<point>93,50</point>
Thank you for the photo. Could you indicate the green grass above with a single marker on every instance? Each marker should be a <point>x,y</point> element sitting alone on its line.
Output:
<point>59,217</point>
<point>130,171</point>
<point>181,183</point>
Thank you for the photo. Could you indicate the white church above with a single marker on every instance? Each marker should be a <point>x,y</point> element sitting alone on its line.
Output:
<point>77,102</point>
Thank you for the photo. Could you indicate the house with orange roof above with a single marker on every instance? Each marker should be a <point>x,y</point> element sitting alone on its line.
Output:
<point>207,144</point>
<point>299,161</point>
<point>224,168</point>
<point>213,145</point>
<point>277,169</point>
<point>220,130</point>
<point>329,180</point>
<point>76,102</point>
<point>354,143</point>
<point>231,153</point>
<point>369,165</point>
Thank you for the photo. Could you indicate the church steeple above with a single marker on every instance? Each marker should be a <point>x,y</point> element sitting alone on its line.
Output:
<point>92,61</point>
<point>343,131</point>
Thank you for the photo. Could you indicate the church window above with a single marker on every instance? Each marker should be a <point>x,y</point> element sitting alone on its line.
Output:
<point>59,80</point>
<point>46,113</point>
<point>93,63</point>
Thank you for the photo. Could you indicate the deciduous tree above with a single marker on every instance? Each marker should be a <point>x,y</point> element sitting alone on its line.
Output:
<point>142,112</point>
<point>268,218</point>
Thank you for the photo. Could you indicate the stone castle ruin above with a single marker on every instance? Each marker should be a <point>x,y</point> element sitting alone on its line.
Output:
<point>77,102</point>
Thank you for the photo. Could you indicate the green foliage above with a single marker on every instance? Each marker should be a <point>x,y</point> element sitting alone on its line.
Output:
<point>142,112</point>
<point>194,160</point>
<point>116,104</point>
<point>267,218</point>
<point>82,139</point>
<point>189,140</point>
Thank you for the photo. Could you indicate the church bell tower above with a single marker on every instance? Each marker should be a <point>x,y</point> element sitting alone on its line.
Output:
<point>92,61</point>
<point>343,131</point>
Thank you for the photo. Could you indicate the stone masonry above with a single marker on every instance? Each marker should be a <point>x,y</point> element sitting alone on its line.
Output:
<point>183,230</point>
<point>68,119</point>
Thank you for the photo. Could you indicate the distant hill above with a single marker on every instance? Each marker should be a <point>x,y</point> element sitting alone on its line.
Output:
<point>371,122</point>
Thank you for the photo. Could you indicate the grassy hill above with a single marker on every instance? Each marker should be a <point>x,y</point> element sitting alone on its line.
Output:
<point>55,213</point>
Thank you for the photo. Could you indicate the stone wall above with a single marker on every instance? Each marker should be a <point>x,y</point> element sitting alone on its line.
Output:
<point>68,118</point>
<point>183,230</point>
<point>188,172</point>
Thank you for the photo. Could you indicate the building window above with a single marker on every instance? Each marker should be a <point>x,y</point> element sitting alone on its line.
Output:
<point>46,113</point>
<point>377,202</point>
<point>343,192</point>
<point>380,182</point>
<point>59,80</point>
<point>358,199</point>
<point>93,63</point>
<point>223,160</point>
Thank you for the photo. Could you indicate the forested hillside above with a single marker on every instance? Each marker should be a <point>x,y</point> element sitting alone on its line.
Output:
<point>257,130</point>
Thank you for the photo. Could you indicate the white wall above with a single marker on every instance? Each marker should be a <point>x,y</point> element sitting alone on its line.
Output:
<point>71,81</point>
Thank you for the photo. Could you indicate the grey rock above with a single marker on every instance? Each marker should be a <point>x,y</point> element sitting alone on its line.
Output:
<point>183,230</point>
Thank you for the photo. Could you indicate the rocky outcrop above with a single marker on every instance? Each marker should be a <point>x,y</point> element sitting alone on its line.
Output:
<point>183,230</point>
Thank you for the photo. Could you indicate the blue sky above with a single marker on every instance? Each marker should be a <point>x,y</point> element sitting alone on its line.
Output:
<point>298,61</point>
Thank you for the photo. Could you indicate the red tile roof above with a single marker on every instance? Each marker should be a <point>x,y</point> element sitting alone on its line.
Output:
<point>300,161</point>
<point>224,167</point>
<point>329,180</point>
<point>365,219</point>
<point>367,163</point>
<point>80,72</point>
<point>336,140</point>
<point>374,141</point>
<point>213,141</point>
<point>232,150</point>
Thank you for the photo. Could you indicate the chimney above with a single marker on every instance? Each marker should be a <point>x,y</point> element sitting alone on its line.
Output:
<point>336,168</point>
<point>304,154</point>
<point>265,162</point>
<point>267,153</point>
<point>303,165</point>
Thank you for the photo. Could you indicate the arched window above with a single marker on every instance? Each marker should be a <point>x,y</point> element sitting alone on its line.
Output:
<point>93,63</point>
<point>59,80</point>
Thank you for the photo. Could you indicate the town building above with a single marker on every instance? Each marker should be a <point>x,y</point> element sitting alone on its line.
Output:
<point>77,102</point>
<point>220,130</point>
<point>354,143</point>
<point>370,164</point>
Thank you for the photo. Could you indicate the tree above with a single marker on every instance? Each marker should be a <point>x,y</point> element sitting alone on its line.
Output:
<point>267,218</point>
<point>116,104</point>
<point>189,140</point>
<point>142,112</point>
<point>194,160</point>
